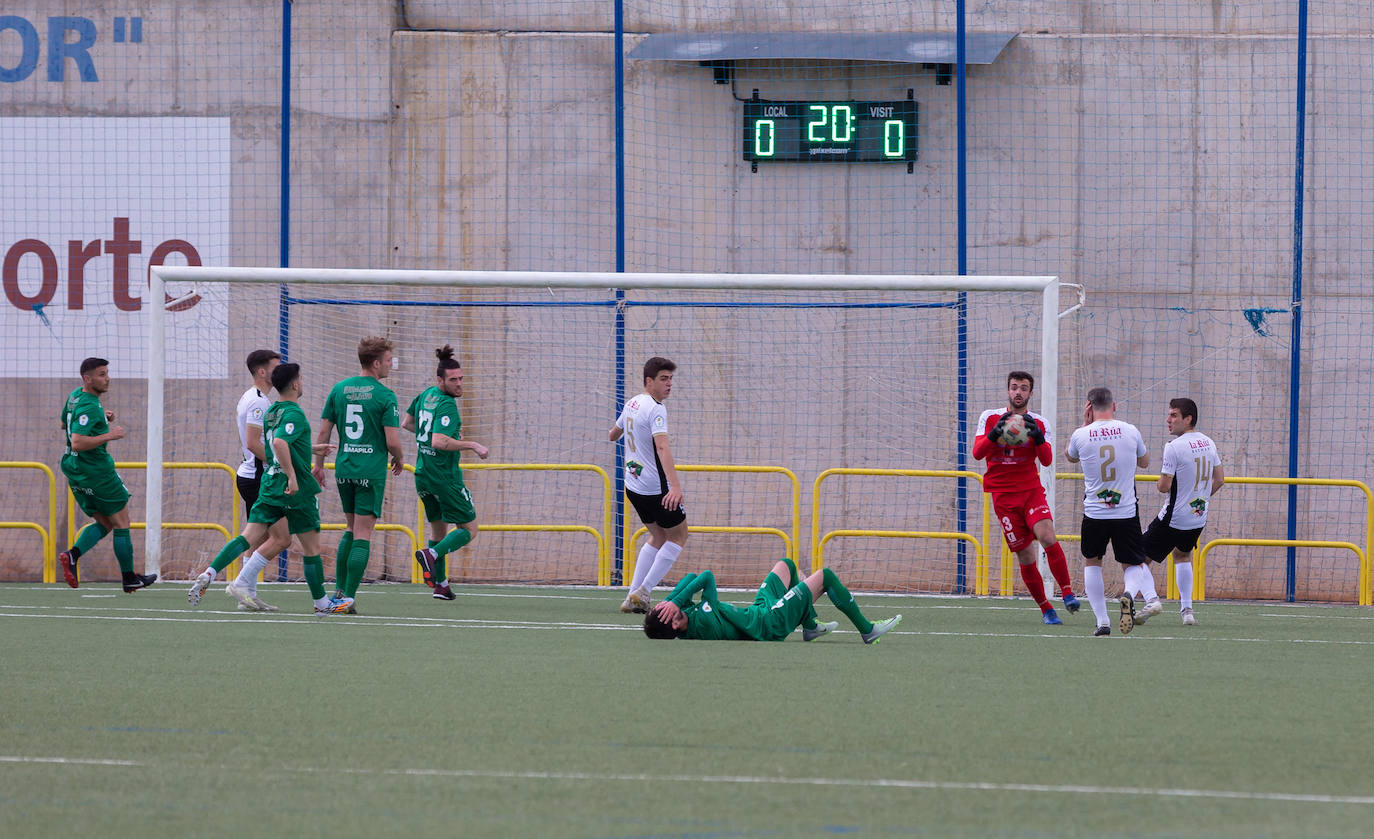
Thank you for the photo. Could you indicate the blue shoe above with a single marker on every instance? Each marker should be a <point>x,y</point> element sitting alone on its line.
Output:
<point>1071,603</point>
<point>1050,617</point>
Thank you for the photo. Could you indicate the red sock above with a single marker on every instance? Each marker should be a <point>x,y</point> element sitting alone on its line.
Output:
<point>1030,575</point>
<point>1059,567</point>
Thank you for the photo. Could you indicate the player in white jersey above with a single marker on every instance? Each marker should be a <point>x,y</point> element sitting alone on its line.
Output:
<point>1190,476</point>
<point>1110,452</point>
<point>251,408</point>
<point>651,482</point>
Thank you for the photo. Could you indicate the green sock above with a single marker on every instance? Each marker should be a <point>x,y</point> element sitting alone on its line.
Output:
<point>844,601</point>
<point>809,619</point>
<point>314,575</point>
<point>341,560</point>
<point>124,550</point>
<point>454,541</point>
<point>357,564</point>
<point>86,539</point>
<point>230,552</point>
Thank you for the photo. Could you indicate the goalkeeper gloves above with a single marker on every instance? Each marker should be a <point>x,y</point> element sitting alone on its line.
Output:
<point>996,433</point>
<point>1033,430</point>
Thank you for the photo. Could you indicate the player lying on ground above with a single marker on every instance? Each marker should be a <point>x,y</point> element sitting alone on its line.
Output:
<point>777,609</point>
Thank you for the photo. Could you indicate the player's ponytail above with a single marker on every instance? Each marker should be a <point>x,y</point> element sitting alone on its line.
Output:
<point>446,360</point>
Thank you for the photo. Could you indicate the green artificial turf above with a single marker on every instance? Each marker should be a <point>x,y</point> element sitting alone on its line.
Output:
<point>545,713</point>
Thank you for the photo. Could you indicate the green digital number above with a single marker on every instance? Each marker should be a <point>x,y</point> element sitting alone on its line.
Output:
<point>815,129</point>
<point>894,138</point>
<point>765,144</point>
<point>841,123</point>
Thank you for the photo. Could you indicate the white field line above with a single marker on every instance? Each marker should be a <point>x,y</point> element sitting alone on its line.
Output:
<point>865,783</point>
<point>278,619</point>
<point>75,761</point>
<point>888,783</point>
<point>595,594</point>
<point>310,620</point>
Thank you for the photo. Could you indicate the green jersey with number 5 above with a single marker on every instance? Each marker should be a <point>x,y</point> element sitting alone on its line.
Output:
<point>435,412</point>
<point>362,408</point>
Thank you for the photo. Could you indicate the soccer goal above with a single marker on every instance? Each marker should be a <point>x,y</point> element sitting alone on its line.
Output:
<point>822,416</point>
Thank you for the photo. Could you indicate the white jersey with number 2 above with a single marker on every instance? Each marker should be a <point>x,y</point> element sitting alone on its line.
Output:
<point>1190,458</point>
<point>1107,451</point>
<point>642,419</point>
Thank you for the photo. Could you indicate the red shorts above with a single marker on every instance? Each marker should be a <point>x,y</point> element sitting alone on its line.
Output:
<point>1018,512</point>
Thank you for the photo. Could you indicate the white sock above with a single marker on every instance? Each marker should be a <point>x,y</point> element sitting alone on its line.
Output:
<point>1130,583</point>
<point>1183,577</point>
<point>643,563</point>
<point>1097,593</point>
<point>210,569</point>
<point>663,563</point>
<point>248,574</point>
<point>1147,584</point>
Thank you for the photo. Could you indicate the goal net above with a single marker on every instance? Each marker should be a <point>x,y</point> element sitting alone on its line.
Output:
<point>824,417</point>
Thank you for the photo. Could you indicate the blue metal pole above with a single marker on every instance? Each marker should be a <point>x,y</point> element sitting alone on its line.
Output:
<point>961,209</point>
<point>284,210</point>
<point>618,384</point>
<point>1295,352</point>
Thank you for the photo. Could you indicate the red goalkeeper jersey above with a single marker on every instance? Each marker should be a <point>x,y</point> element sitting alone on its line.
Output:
<point>1011,468</point>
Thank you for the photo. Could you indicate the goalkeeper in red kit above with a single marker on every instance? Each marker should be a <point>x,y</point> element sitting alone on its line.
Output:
<point>1018,498</point>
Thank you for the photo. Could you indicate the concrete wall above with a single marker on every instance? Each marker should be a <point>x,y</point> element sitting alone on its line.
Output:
<point>1145,152</point>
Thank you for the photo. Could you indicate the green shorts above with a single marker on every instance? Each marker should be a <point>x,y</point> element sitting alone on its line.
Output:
<point>300,518</point>
<point>448,502</point>
<point>100,493</point>
<point>777,610</point>
<point>362,496</point>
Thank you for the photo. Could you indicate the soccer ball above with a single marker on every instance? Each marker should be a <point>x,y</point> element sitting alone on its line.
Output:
<point>1014,432</point>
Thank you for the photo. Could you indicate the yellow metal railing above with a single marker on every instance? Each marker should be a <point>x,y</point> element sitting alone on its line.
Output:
<point>980,553</point>
<point>415,537</point>
<point>1364,596</point>
<point>1200,561</point>
<point>631,557</point>
<point>603,570</point>
<point>228,532</point>
<point>49,533</point>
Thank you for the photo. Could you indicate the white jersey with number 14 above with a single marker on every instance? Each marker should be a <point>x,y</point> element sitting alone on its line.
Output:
<point>1190,458</point>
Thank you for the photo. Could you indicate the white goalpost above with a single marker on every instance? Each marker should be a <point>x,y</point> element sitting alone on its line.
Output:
<point>781,377</point>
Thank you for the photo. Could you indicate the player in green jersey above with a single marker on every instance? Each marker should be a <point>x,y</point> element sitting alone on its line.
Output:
<point>289,488</point>
<point>91,474</point>
<point>434,417</point>
<point>777,609</point>
<point>369,422</point>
